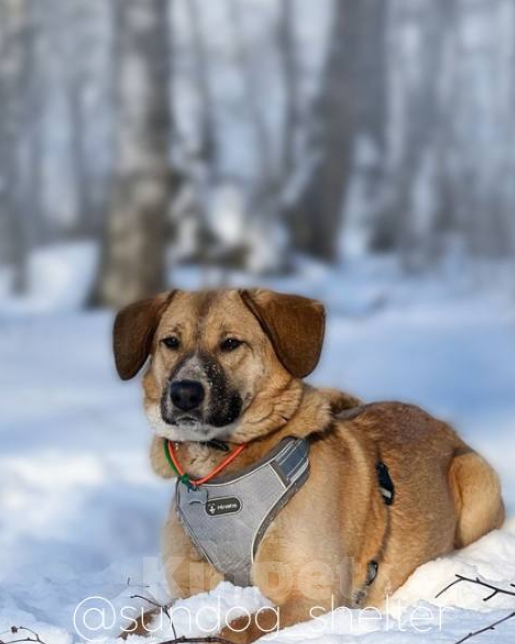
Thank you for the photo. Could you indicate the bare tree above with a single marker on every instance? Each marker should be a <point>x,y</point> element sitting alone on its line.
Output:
<point>372,71</point>
<point>13,74</point>
<point>316,214</point>
<point>207,126</point>
<point>253,104</point>
<point>481,111</point>
<point>84,31</point>
<point>76,79</point>
<point>9,242</point>
<point>134,247</point>
<point>290,69</point>
<point>31,136</point>
<point>406,223</point>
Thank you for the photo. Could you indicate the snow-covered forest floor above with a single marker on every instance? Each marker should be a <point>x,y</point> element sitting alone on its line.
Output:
<point>80,510</point>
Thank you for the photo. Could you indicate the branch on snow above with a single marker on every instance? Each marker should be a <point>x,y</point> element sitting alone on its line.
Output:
<point>177,640</point>
<point>201,640</point>
<point>490,627</point>
<point>494,590</point>
<point>34,637</point>
<point>31,637</point>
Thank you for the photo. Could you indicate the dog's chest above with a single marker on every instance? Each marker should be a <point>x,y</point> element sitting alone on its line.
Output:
<point>227,519</point>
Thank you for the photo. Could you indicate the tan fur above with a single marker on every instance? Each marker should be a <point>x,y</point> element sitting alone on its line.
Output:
<point>477,495</point>
<point>317,549</point>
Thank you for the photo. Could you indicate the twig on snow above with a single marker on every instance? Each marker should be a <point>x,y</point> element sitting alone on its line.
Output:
<point>152,602</point>
<point>130,584</point>
<point>177,640</point>
<point>160,607</point>
<point>475,580</point>
<point>490,627</point>
<point>16,629</point>
<point>199,640</point>
<point>495,590</point>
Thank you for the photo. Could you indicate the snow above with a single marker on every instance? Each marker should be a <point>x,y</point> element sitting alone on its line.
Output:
<point>80,510</point>
<point>60,278</point>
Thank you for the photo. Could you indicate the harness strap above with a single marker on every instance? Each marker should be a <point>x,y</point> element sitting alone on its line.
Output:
<point>214,514</point>
<point>227,518</point>
<point>387,489</point>
<point>386,486</point>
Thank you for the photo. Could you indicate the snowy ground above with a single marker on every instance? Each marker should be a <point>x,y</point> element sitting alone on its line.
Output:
<point>80,510</point>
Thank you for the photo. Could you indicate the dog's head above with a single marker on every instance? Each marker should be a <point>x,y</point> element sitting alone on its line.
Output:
<point>224,364</point>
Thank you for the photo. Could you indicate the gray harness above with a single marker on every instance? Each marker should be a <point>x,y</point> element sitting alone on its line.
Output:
<point>227,519</point>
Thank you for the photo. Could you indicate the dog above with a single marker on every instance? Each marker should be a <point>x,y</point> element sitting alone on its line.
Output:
<point>389,487</point>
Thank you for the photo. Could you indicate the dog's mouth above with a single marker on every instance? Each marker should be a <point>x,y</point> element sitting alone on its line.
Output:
<point>199,420</point>
<point>193,428</point>
<point>190,420</point>
<point>186,421</point>
<point>201,424</point>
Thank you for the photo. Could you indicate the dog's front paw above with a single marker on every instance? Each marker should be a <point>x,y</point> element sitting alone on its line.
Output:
<point>149,623</point>
<point>246,630</point>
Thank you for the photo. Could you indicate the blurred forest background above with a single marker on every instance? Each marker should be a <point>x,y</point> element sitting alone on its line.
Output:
<point>358,151</point>
<point>243,134</point>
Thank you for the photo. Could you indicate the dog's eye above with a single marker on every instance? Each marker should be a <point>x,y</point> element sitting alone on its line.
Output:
<point>230,344</point>
<point>172,342</point>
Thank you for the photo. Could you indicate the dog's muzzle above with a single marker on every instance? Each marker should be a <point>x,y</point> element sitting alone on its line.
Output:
<point>199,398</point>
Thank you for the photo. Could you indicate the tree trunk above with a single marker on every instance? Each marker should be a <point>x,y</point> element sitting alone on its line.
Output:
<point>207,126</point>
<point>134,247</point>
<point>75,85</point>
<point>290,69</point>
<point>406,224</point>
<point>16,130</point>
<point>316,215</point>
<point>253,102</point>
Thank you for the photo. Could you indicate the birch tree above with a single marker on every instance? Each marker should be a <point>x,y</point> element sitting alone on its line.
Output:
<point>134,246</point>
<point>414,205</point>
<point>13,72</point>
<point>316,215</point>
<point>207,123</point>
<point>290,75</point>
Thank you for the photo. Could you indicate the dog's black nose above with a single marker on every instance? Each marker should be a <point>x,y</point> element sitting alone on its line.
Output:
<point>186,394</point>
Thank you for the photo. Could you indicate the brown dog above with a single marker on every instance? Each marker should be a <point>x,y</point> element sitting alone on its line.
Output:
<point>228,366</point>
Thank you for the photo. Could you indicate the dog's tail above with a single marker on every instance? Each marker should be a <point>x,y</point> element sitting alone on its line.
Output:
<point>477,496</point>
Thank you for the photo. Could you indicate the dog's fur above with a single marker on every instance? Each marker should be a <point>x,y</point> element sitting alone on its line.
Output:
<point>319,546</point>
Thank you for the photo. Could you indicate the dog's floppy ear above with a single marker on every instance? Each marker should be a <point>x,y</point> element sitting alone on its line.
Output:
<point>294,324</point>
<point>134,329</point>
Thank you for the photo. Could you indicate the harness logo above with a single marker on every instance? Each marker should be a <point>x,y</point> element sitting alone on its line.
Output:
<point>227,505</point>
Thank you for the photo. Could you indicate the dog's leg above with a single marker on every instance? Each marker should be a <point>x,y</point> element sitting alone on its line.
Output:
<point>296,609</point>
<point>144,625</point>
<point>300,591</point>
<point>477,496</point>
